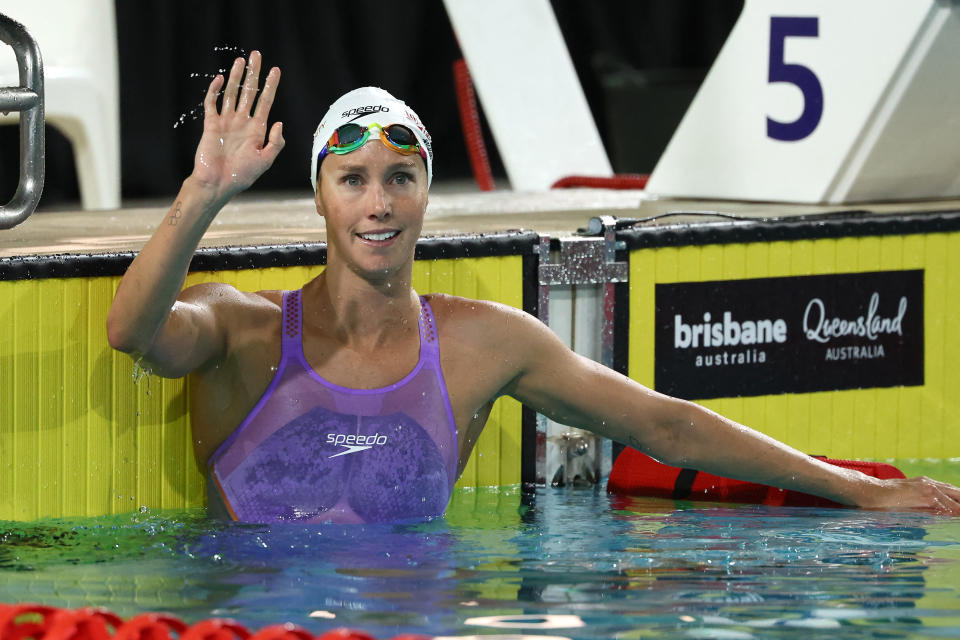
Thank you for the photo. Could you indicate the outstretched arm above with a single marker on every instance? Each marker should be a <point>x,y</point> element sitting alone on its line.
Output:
<point>579,392</point>
<point>175,336</point>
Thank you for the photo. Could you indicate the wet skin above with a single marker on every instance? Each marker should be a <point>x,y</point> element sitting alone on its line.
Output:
<point>359,315</point>
<point>360,322</point>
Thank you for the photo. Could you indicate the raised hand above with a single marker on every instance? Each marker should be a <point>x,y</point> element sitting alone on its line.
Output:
<point>232,154</point>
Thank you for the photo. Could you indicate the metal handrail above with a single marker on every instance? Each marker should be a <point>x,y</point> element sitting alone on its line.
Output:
<point>28,100</point>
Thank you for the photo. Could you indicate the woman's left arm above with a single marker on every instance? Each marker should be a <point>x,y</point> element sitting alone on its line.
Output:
<point>578,392</point>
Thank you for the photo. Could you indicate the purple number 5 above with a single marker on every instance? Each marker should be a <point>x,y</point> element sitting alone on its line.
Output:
<point>806,80</point>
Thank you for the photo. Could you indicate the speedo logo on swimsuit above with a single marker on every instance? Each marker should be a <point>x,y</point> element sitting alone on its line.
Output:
<point>354,442</point>
<point>362,111</point>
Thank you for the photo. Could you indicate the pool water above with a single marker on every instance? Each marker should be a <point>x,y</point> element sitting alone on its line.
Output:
<point>576,563</point>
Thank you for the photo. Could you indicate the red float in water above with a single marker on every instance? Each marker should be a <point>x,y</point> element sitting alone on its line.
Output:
<point>638,474</point>
<point>39,622</point>
<point>151,626</point>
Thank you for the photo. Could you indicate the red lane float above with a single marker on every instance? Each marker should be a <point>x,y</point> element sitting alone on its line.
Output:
<point>287,631</point>
<point>39,622</point>
<point>216,629</point>
<point>83,624</point>
<point>637,474</point>
<point>21,621</point>
<point>151,626</point>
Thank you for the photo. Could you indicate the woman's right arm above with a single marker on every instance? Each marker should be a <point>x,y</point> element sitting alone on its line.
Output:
<point>174,333</point>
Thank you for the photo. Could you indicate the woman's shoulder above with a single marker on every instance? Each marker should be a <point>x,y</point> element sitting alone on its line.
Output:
<point>221,294</point>
<point>459,308</point>
<point>233,307</point>
<point>479,320</point>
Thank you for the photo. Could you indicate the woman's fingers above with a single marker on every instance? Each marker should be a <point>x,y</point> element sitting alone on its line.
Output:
<point>240,99</point>
<point>945,504</point>
<point>233,82</point>
<point>250,83</point>
<point>275,143</point>
<point>210,100</point>
<point>920,493</point>
<point>942,497</point>
<point>951,497</point>
<point>265,101</point>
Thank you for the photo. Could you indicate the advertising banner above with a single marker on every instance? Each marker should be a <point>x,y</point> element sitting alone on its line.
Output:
<point>799,334</point>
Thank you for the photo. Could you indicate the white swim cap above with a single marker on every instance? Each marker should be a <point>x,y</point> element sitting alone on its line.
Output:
<point>365,106</point>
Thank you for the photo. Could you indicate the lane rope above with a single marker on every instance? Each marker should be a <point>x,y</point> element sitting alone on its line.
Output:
<point>27,621</point>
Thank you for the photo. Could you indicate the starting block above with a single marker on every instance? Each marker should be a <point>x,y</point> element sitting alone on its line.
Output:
<point>825,102</point>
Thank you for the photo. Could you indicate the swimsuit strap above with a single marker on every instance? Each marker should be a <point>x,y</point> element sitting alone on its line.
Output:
<point>290,347</point>
<point>429,344</point>
<point>430,358</point>
<point>291,342</point>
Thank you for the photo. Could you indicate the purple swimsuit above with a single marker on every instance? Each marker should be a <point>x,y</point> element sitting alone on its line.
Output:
<point>313,451</point>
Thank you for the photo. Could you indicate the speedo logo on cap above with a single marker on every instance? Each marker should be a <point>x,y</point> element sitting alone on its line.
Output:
<point>360,111</point>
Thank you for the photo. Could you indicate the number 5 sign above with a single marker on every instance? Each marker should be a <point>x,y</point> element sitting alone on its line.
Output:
<point>825,102</point>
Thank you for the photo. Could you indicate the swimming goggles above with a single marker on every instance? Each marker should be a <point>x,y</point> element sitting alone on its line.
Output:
<point>351,136</point>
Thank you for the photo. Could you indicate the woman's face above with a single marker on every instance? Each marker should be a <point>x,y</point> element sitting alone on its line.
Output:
<point>373,200</point>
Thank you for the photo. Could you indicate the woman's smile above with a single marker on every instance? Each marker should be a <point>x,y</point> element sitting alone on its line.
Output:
<point>383,238</point>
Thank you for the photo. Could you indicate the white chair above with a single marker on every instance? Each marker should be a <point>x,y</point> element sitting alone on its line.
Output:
<point>78,44</point>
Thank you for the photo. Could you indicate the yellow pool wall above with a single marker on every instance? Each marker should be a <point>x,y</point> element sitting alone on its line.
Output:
<point>78,437</point>
<point>898,423</point>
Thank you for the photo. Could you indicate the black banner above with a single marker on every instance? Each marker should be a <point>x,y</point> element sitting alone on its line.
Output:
<point>800,334</point>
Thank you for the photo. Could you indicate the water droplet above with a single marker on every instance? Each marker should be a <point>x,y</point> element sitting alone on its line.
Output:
<point>232,49</point>
<point>139,371</point>
<point>196,111</point>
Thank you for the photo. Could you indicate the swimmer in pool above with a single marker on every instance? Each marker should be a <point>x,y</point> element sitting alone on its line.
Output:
<point>354,399</point>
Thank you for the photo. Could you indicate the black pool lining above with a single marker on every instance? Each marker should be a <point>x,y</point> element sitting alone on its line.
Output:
<point>722,228</point>
<point>79,265</point>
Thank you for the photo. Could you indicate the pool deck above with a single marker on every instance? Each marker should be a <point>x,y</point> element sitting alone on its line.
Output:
<point>256,220</point>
